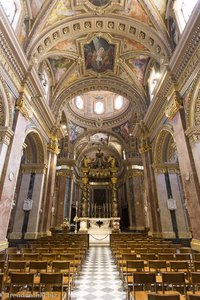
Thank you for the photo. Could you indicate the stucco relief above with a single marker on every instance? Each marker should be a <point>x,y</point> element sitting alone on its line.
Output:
<point>2,111</point>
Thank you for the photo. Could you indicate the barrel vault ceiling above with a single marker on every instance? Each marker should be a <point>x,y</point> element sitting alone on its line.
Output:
<point>90,53</point>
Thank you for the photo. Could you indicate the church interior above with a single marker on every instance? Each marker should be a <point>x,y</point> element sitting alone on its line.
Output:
<point>100,129</point>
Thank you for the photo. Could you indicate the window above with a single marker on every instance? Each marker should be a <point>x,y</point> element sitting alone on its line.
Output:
<point>99,107</point>
<point>118,102</point>
<point>153,80</point>
<point>12,9</point>
<point>183,10</point>
<point>79,102</point>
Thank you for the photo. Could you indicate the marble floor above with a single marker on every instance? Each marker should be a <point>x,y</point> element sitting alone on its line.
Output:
<point>99,278</point>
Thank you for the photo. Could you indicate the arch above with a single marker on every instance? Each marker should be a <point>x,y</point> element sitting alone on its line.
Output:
<point>162,149</point>
<point>35,150</point>
<point>125,27</point>
<point>111,84</point>
<point>5,105</point>
<point>193,106</point>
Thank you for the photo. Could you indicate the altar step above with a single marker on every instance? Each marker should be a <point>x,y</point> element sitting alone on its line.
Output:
<point>96,239</point>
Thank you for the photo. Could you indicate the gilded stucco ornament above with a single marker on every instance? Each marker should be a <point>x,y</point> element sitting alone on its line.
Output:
<point>173,106</point>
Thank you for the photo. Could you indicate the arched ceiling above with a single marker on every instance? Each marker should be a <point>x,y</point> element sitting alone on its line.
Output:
<point>98,46</point>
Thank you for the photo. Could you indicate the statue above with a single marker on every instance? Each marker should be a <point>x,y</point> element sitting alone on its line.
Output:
<point>112,161</point>
<point>86,162</point>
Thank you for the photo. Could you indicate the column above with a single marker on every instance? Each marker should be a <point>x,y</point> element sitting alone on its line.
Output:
<point>115,223</point>
<point>34,214</point>
<point>63,200</point>
<point>5,136</point>
<point>19,214</point>
<point>84,202</point>
<point>136,205</point>
<point>47,203</point>
<point>150,189</point>
<point>11,168</point>
<point>189,176</point>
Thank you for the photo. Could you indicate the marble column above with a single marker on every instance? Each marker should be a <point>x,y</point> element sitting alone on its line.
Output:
<point>47,202</point>
<point>136,201</point>
<point>11,169</point>
<point>189,176</point>
<point>5,136</point>
<point>19,214</point>
<point>150,189</point>
<point>34,215</point>
<point>63,196</point>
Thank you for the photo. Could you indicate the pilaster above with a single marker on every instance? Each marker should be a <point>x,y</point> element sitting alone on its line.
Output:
<point>186,162</point>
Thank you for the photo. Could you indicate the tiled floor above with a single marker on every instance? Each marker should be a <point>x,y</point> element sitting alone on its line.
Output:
<point>99,278</point>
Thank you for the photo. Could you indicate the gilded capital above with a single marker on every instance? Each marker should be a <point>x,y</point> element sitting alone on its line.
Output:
<point>173,105</point>
<point>23,106</point>
<point>144,146</point>
<point>53,146</point>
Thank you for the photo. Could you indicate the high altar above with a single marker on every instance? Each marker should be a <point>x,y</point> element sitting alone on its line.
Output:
<point>99,202</point>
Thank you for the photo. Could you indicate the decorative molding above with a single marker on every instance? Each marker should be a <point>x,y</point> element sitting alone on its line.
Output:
<point>53,145</point>
<point>173,106</point>
<point>166,168</point>
<point>144,146</point>
<point>23,106</point>
<point>65,173</point>
<point>33,168</point>
<point>111,83</point>
<point>6,134</point>
<point>193,133</point>
<point>121,25</point>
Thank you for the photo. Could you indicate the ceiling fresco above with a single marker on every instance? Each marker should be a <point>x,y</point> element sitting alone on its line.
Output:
<point>81,43</point>
<point>99,55</point>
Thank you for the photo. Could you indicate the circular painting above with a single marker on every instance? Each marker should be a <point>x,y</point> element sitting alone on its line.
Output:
<point>99,2</point>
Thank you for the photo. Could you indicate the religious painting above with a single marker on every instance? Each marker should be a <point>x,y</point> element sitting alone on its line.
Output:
<point>68,45</point>
<point>99,2</point>
<point>99,139</point>
<point>59,66</point>
<point>131,45</point>
<point>99,55</point>
<point>123,130</point>
<point>136,11</point>
<point>138,66</point>
<point>74,131</point>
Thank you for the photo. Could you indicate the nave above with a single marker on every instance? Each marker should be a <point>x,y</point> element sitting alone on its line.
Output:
<point>99,278</point>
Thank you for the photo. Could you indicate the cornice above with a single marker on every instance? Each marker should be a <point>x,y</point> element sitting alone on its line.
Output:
<point>187,45</point>
<point>166,168</point>
<point>34,168</point>
<point>186,52</point>
<point>16,69</point>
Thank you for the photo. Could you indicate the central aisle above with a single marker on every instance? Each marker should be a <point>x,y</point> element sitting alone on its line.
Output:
<point>99,278</point>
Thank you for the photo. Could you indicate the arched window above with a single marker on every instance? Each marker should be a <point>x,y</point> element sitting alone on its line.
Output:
<point>79,102</point>
<point>118,102</point>
<point>12,9</point>
<point>153,80</point>
<point>99,107</point>
<point>183,10</point>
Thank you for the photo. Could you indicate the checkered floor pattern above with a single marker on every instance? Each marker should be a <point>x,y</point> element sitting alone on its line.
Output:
<point>99,278</point>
